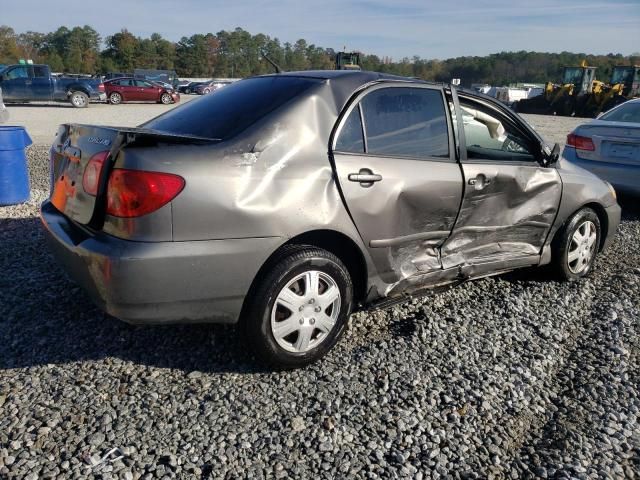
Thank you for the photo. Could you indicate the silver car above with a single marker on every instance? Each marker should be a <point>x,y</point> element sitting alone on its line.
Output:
<point>286,201</point>
<point>610,146</point>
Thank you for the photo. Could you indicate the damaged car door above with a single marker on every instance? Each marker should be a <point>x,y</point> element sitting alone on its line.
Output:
<point>394,158</point>
<point>510,196</point>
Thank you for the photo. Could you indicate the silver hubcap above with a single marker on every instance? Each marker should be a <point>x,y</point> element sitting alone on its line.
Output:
<point>166,98</point>
<point>115,98</point>
<point>78,100</point>
<point>582,248</point>
<point>305,311</point>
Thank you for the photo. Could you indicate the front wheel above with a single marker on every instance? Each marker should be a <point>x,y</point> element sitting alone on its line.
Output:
<point>300,309</point>
<point>79,99</point>
<point>166,99</point>
<point>576,245</point>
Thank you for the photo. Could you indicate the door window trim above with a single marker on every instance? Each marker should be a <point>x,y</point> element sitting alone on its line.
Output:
<point>354,102</point>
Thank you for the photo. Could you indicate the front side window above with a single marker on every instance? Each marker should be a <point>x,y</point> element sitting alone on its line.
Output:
<point>408,122</point>
<point>488,137</point>
<point>351,138</point>
<point>18,72</point>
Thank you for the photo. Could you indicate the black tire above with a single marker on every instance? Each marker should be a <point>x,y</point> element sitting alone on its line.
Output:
<point>257,319</point>
<point>564,244</point>
<point>166,99</point>
<point>79,99</point>
<point>115,98</point>
<point>206,91</point>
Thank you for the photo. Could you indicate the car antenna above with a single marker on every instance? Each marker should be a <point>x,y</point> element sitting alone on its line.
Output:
<point>273,64</point>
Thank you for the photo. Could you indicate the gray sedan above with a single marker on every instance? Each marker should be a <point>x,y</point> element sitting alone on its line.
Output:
<point>610,146</point>
<point>286,201</point>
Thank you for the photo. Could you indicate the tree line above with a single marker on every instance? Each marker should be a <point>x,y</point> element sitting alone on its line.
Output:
<point>237,53</point>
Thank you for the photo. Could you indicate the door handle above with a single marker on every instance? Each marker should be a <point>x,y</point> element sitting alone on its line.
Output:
<point>480,181</point>
<point>364,177</point>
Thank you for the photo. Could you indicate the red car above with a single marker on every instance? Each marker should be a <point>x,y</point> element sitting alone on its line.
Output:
<point>127,89</point>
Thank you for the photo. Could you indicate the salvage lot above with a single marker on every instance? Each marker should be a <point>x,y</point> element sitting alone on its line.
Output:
<point>512,376</point>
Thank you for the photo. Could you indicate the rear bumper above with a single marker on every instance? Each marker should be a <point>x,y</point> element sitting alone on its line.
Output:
<point>158,282</point>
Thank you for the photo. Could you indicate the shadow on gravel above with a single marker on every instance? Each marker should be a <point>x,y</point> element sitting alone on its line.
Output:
<point>630,207</point>
<point>46,319</point>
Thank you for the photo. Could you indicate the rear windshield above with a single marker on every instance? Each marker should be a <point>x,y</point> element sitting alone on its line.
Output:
<point>230,110</point>
<point>628,112</point>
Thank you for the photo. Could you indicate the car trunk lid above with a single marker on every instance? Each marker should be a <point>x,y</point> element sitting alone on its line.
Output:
<point>613,142</point>
<point>74,154</point>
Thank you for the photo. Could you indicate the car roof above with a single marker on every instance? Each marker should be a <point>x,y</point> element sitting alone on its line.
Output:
<point>364,76</point>
<point>344,83</point>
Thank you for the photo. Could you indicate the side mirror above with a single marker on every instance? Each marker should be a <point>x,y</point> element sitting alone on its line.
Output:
<point>551,156</point>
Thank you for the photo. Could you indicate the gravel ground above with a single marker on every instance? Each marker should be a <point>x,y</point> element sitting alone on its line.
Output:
<point>516,376</point>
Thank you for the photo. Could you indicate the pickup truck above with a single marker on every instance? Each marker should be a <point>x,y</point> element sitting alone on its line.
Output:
<point>35,83</point>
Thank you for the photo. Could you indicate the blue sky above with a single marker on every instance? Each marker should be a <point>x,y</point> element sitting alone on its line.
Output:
<point>399,28</point>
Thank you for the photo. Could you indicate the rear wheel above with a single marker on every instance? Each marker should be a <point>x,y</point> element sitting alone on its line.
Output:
<point>166,99</point>
<point>79,99</point>
<point>115,98</point>
<point>300,308</point>
<point>576,245</point>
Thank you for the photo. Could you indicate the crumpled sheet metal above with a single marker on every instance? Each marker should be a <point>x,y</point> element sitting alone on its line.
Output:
<point>507,221</point>
<point>509,218</point>
<point>273,178</point>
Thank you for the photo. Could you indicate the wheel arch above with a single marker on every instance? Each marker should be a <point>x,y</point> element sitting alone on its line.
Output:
<point>604,221</point>
<point>602,217</point>
<point>333,241</point>
<point>77,87</point>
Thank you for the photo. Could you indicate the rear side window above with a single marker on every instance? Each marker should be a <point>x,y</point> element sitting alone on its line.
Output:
<point>40,72</point>
<point>230,110</point>
<point>351,138</point>
<point>408,122</point>
<point>629,112</point>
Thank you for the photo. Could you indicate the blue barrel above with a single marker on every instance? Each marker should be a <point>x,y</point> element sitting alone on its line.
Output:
<point>14,176</point>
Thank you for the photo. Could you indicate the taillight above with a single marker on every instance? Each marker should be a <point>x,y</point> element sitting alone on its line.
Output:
<point>133,193</point>
<point>101,87</point>
<point>91,176</point>
<point>580,143</point>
